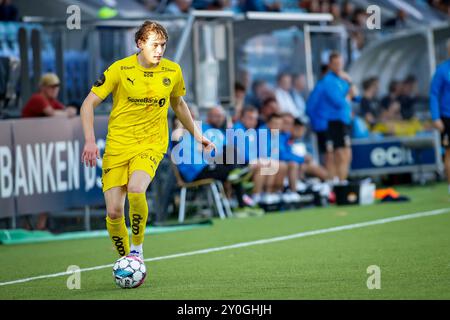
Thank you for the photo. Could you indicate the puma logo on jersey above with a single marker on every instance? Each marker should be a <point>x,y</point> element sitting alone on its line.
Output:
<point>132,81</point>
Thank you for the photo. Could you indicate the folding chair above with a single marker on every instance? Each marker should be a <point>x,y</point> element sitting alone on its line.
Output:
<point>218,198</point>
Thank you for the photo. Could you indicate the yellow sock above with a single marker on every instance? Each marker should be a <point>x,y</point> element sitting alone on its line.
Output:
<point>118,233</point>
<point>138,217</point>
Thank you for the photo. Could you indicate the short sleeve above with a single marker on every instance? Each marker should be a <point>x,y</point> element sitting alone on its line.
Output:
<point>57,105</point>
<point>38,104</point>
<point>179,88</point>
<point>35,106</point>
<point>107,82</point>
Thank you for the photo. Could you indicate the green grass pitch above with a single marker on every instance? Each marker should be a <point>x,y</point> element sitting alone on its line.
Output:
<point>413,256</point>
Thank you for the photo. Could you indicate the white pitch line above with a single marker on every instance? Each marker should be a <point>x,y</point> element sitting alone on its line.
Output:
<point>253,243</point>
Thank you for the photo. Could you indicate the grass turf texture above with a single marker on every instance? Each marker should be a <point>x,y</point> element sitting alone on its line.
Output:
<point>413,255</point>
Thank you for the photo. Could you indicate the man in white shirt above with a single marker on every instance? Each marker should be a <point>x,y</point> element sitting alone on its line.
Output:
<point>299,85</point>
<point>283,95</point>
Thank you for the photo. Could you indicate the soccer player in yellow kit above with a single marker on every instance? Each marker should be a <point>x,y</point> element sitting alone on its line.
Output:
<point>142,86</point>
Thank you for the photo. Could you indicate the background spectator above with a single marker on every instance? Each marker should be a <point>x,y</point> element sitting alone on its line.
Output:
<point>369,102</point>
<point>442,5</point>
<point>348,10</point>
<point>298,91</point>
<point>398,21</point>
<point>283,95</point>
<point>179,7</point>
<point>239,98</point>
<point>308,166</point>
<point>269,107</point>
<point>45,103</point>
<point>260,91</point>
<point>259,5</point>
<point>409,97</point>
<point>395,90</point>
<point>8,11</point>
<point>336,89</point>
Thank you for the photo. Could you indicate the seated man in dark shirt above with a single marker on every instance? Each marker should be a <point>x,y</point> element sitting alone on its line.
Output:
<point>369,103</point>
<point>44,103</point>
<point>409,97</point>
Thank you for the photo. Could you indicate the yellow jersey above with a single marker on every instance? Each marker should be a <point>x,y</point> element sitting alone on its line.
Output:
<point>401,128</point>
<point>141,98</point>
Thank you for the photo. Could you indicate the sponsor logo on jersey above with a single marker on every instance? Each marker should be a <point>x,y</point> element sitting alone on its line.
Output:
<point>126,67</point>
<point>148,101</point>
<point>100,81</point>
<point>168,69</point>
<point>145,100</point>
<point>131,80</point>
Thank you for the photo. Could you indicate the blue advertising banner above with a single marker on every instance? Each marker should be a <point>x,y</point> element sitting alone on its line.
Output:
<point>90,189</point>
<point>7,208</point>
<point>48,174</point>
<point>46,165</point>
<point>396,155</point>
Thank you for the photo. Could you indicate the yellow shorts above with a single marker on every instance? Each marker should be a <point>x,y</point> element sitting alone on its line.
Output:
<point>117,176</point>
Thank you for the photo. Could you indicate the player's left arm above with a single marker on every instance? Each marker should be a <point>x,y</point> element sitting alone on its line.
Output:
<point>182,112</point>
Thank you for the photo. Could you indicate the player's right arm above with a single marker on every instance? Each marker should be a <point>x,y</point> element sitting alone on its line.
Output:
<point>106,84</point>
<point>90,151</point>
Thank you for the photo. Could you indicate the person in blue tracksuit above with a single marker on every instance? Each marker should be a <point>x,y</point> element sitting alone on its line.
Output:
<point>193,166</point>
<point>299,149</point>
<point>245,138</point>
<point>287,155</point>
<point>335,91</point>
<point>246,129</point>
<point>269,144</point>
<point>440,107</point>
<point>188,153</point>
<point>316,110</point>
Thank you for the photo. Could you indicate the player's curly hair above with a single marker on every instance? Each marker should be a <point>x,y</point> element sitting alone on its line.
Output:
<point>150,27</point>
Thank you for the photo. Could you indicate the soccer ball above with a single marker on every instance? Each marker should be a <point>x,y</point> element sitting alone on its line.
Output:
<point>129,272</point>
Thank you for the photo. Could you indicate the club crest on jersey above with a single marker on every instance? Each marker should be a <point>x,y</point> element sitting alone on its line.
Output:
<point>166,82</point>
<point>100,81</point>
